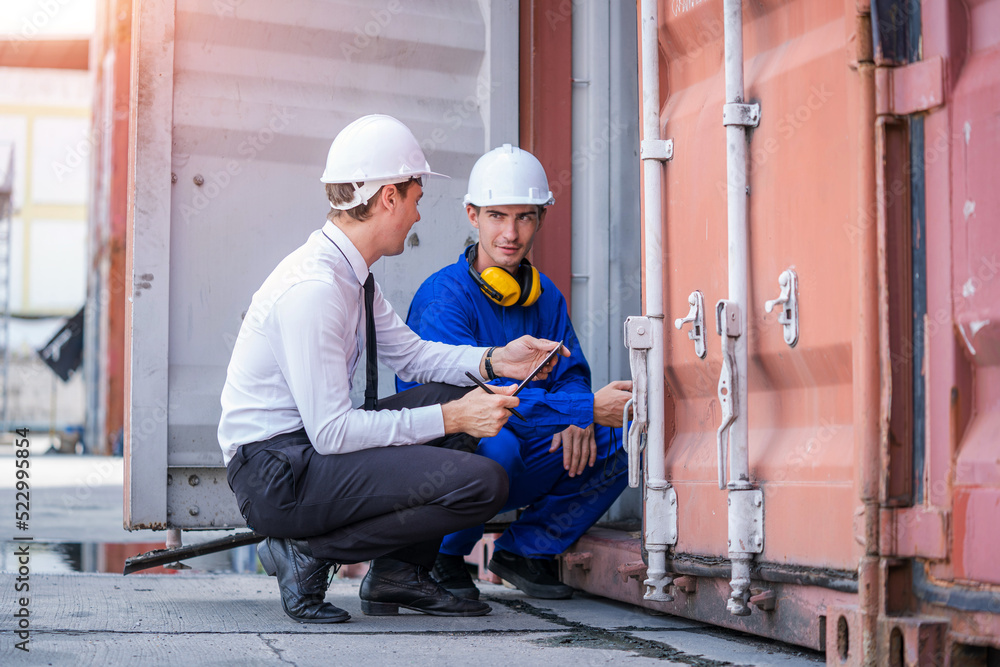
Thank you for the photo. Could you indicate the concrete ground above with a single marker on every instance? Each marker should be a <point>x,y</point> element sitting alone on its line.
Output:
<point>213,618</point>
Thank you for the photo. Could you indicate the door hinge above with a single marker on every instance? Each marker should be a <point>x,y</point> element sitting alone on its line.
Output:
<point>913,532</point>
<point>901,91</point>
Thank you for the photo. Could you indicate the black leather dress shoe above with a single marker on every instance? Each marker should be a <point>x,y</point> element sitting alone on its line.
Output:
<point>535,576</point>
<point>391,584</point>
<point>453,575</point>
<point>302,580</point>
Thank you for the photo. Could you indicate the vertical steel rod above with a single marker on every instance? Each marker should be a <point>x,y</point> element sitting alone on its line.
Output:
<point>736,176</point>
<point>657,579</point>
<point>736,171</point>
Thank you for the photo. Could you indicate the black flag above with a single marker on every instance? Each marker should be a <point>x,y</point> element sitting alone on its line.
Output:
<point>64,352</point>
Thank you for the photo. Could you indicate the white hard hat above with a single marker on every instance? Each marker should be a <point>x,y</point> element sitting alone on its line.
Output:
<point>508,175</point>
<point>376,150</point>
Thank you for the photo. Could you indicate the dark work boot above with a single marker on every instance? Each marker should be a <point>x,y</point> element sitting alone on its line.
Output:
<point>302,580</point>
<point>453,575</point>
<point>535,576</point>
<point>391,584</point>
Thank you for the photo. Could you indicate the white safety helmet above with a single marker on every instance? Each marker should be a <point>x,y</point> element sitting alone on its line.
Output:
<point>508,175</point>
<point>376,150</point>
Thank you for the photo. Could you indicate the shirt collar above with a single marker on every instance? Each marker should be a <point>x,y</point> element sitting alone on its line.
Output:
<point>343,243</point>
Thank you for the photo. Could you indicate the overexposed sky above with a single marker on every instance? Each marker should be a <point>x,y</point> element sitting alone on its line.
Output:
<point>47,18</point>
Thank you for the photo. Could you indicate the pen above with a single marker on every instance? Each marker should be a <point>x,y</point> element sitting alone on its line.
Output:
<point>486,388</point>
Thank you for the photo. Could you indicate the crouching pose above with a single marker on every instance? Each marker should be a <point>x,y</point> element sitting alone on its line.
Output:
<point>565,462</point>
<point>329,484</point>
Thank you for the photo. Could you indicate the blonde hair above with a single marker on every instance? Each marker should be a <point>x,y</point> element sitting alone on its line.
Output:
<point>339,193</point>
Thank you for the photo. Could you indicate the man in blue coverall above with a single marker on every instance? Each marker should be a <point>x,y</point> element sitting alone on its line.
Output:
<point>493,295</point>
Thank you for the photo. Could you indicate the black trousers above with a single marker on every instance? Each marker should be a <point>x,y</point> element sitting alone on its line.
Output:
<point>395,501</point>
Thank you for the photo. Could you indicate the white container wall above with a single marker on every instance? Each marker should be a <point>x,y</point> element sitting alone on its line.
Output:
<point>234,106</point>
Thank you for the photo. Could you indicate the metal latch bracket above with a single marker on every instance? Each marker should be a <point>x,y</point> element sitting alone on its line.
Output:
<point>788,317</point>
<point>741,114</point>
<point>638,340</point>
<point>696,316</point>
<point>656,149</point>
<point>638,333</point>
<point>661,517</point>
<point>746,521</point>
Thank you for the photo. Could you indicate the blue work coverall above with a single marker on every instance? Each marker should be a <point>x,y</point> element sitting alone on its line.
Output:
<point>449,307</point>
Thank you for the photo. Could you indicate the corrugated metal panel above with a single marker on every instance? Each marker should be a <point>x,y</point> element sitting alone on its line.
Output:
<point>961,475</point>
<point>802,201</point>
<point>259,91</point>
<point>872,173</point>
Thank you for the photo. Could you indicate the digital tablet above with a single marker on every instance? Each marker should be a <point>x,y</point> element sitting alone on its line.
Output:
<point>538,368</point>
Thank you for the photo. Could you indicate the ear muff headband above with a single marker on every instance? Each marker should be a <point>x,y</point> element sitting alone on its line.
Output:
<point>501,287</point>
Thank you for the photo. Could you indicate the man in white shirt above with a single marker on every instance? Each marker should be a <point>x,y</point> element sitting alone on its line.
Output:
<point>327,483</point>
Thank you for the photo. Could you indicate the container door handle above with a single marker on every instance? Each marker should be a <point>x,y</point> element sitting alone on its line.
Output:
<point>638,340</point>
<point>788,300</point>
<point>727,324</point>
<point>696,316</point>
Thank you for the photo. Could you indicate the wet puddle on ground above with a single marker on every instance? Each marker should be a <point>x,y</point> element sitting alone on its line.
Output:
<point>70,557</point>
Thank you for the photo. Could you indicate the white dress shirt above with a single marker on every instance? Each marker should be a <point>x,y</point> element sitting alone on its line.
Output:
<point>300,343</point>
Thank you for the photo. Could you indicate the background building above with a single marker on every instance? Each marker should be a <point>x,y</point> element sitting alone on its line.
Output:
<point>46,96</point>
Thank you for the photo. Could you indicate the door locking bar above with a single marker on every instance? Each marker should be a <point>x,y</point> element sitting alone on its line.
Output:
<point>638,340</point>
<point>727,325</point>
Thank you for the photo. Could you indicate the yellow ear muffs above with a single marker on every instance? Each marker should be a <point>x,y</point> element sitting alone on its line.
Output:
<point>530,284</point>
<point>503,284</point>
<point>501,287</point>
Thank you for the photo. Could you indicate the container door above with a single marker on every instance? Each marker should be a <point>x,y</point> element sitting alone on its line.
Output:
<point>804,214</point>
<point>233,109</point>
<point>810,166</point>
<point>958,479</point>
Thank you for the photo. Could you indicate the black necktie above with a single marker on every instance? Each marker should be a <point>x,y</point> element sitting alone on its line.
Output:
<point>371,347</point>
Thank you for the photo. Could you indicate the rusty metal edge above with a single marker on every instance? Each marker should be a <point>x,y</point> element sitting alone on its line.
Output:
<point>159,557</point>
<point>798,617</point>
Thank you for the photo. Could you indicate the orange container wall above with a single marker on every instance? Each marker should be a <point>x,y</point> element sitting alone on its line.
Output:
<point>872,173</point>
<point>804,194</point>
